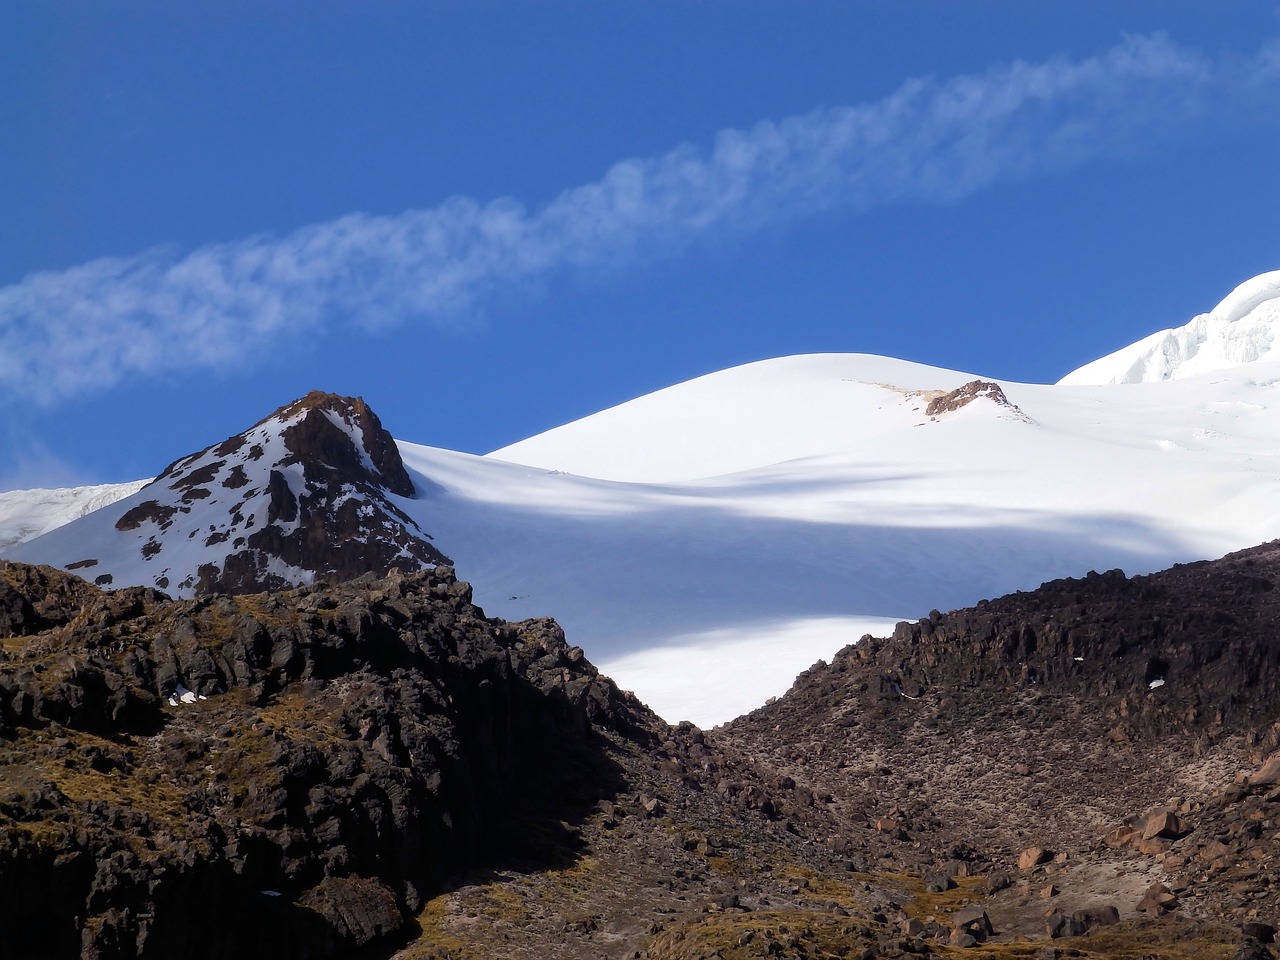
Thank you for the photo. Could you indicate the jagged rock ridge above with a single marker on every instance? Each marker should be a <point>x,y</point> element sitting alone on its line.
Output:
<point>308,762</point>
<point>1059,718</point>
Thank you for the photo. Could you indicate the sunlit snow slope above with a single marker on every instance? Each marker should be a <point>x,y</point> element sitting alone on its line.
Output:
<point>1243,328</point>
<point>758,518</point>
<point>26,514</point>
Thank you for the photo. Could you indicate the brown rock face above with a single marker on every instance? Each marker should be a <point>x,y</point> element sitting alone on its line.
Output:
<point>34,599</point>
<point>1033,857</point>
<point>313,438</point>
<point>1163,824</point>
<point>963,396</point>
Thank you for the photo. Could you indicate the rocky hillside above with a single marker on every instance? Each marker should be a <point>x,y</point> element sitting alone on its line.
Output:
<point>308,773</point>
<point>376,769</point>
<point>275,775</point>
<point>1082,741</point>
<point>309,490</point>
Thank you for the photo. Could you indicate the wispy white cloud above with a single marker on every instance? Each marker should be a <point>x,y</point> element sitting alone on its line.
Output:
<point>62,333</point>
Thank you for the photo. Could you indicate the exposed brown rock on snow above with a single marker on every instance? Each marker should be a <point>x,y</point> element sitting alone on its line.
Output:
<point>964,395</point>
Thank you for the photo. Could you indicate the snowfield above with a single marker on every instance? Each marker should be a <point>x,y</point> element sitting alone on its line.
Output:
<point>26,514</point>
<point>735,543</point>
<point>707,542</point>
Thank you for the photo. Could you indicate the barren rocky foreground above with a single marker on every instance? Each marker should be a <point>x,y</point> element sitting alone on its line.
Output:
<point>375,768</point>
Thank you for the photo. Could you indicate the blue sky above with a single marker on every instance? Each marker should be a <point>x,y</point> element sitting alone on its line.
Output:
<point>491,218</point>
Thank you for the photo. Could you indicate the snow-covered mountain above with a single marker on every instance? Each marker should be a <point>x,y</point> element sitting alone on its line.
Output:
<point>310,490</point>
<point>706,542</point>
<point>820,500</point>
<point>1242,329</point>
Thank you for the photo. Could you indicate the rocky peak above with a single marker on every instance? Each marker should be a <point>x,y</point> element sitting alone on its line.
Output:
<point>308,492</point>
<point>344,433</point>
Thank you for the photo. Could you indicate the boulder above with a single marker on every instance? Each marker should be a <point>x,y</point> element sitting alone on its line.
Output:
<point>973,921</point>
<point>938,883</point>
<point>1163,824</point>
<point>1122,836</point>
<point>1253,950</point>
<point>360,909</point>
<point>1267,775</point>
<point>995,882</point>
<point>1098,916</point>
<point>1262,932</point>
<point>1152,847</point>
<point>1033,857</point>
<point>1158,900</point>
<point>1059,925</point>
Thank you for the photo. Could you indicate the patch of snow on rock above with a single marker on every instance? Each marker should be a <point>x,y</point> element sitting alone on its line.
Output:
<point>182,695</point>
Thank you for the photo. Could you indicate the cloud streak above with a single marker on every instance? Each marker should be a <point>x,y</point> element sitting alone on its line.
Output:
<point>86,328</point>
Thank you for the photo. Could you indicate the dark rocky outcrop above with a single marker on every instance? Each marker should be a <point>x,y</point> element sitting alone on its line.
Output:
<point>312,439</point>
<point>276,775</point>
<point>1195,648</point>
<point>1099,718</point>
<point>34,599</point>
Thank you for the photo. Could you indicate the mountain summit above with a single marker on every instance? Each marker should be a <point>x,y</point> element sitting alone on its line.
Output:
<point>1241,329</point>
<point>309,491</point>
